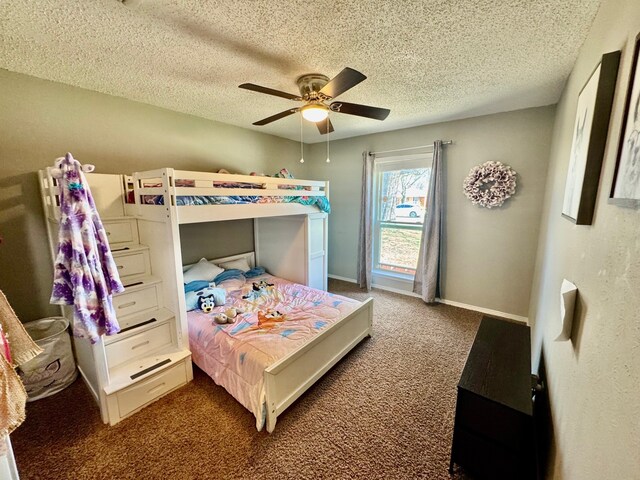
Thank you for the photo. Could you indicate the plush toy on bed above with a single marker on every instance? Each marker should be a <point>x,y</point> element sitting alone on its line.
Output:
<point>229,316</point>
<point>207,303</point>
<point>205,298</point>
<point>257,289</point>
<point>269,319</point>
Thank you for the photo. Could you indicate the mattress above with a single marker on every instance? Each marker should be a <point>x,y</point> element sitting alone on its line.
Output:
<point>236,355</point>
<point>190,200</point>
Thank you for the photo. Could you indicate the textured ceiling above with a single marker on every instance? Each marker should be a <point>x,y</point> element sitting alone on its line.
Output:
<point>427,61</point>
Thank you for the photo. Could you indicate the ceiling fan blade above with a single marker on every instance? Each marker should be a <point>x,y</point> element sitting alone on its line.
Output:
<point>342,82</point>
<point>269,91</point>
<point>275,117</point>
<point>360,110</point>
<point>323,124</point>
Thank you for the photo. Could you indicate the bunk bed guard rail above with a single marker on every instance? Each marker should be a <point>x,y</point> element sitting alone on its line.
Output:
<point>158,194</point>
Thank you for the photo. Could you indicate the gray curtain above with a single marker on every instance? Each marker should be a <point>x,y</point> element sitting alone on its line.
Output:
<point>365,255</point>
<point>427,280</point>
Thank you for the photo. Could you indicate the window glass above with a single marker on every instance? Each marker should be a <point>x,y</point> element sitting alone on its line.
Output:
<point>401,195</point>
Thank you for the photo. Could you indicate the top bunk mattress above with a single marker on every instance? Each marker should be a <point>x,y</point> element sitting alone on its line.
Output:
<point>191,189</point>
<point>236,355</point>
<point>190,200</point>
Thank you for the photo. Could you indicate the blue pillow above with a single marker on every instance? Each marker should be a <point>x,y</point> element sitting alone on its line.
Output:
<point>255,272</point>
<point>230,274</point>
<point>196,285</point>
<point>219,297</point>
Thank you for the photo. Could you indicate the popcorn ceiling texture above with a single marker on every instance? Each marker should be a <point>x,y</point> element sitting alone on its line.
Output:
<point>428,61</point>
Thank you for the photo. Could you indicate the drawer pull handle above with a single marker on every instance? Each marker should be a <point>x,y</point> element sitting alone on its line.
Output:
<point>147,322</point>
<point>120,267</point>
<point>140,345</point>
<point>150,369</point>
<point>125,305</point>
<point>156,388</point>
<point>108,233</point>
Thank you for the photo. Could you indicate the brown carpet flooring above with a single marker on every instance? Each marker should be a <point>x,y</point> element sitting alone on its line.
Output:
<point>385,411</point>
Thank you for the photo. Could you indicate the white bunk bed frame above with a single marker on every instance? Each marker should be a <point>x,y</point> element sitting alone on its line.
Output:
<point>292,375</point>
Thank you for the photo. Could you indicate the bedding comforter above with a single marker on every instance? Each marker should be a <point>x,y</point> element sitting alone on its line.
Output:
<point>190,200</point>
<point>279,316</point>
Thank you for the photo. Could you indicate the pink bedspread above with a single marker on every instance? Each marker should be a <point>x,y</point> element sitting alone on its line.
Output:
<point>236,355</point>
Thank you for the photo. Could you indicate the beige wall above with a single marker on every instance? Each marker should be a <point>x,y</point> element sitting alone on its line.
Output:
<point>41,120</point>
<point>594,379</point>
<point>489,254</point>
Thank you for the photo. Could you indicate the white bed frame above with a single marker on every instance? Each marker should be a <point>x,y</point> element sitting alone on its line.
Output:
<point>166,178</point>
<point>290,241</point>
<point>292,375</point>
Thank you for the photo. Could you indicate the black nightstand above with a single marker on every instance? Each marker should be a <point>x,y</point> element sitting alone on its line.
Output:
<point>493,431</point>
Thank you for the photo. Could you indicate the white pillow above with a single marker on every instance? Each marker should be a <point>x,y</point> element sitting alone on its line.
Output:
<point>240,264</point>
<point>203,270</point>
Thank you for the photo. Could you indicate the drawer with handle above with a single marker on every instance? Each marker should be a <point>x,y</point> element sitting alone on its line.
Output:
<point>138,395</point>
<point>135,301</point>
<point>138,345</point>
<point>130,264</point>
<point>121,231</point>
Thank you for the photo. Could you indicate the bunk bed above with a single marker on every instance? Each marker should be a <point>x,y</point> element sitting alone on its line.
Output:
<point>142,214</point>
<point>290,238</point>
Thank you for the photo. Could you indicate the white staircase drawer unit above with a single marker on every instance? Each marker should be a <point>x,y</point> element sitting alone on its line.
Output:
<point>140,394</point>
<point>130,264</point>
<point>121,231</point>
<point>129,303</point>
<point>138,345</point>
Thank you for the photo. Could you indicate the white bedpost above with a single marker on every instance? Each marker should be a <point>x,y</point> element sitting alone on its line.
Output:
<point>270,396</point>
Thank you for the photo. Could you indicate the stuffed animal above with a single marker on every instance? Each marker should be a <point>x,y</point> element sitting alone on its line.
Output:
<point>206,303</point>
<point>229,316</point>
<point>192,298</point>
<point>261,285</point>
<point>257,289</point>
<point>270,318</point>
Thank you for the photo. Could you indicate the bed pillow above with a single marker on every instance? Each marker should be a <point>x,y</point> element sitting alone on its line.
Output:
<point>219,297</point>
<point>255,272</point>
<point>231,274</point>
<point>197,285</point>
<point>203,270</point>
<point>239,264</point>
<point>231,280</point>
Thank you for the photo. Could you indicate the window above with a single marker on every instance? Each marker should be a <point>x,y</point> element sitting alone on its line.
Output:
<point>400,189</point>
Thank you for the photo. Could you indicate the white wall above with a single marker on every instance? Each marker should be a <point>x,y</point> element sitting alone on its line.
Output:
<point>489,254</point>
<point>42,120</point>
<point>594,379</point>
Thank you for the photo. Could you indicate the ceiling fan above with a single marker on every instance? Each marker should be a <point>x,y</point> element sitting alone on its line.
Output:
<point>316,91</point>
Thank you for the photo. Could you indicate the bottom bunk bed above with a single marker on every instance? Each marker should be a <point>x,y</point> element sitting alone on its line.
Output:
<point>287,336</point>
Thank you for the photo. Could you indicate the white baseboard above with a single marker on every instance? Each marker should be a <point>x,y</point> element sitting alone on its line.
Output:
<point>488,311</point>
<point>344,279</point>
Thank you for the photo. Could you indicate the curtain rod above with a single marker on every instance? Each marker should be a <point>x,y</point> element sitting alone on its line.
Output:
<point>444,142</point>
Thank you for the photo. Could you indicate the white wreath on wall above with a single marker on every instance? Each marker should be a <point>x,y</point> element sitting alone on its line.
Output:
<point>490,184</point>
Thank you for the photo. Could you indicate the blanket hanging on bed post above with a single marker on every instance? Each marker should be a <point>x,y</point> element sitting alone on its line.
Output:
<point>85,274</point>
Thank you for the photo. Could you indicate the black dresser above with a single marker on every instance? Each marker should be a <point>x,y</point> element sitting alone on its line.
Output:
<point>493,431</point>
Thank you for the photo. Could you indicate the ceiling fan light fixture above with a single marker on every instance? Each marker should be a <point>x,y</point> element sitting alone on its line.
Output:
<point>315,113</point>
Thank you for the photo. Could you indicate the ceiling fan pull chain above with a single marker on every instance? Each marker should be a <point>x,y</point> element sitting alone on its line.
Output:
<point>328,131</point>
<point>301,144</point>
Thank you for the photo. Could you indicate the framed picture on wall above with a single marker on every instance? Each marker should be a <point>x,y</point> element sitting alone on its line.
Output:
<point>625,189</point>
<point>589,140</point>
